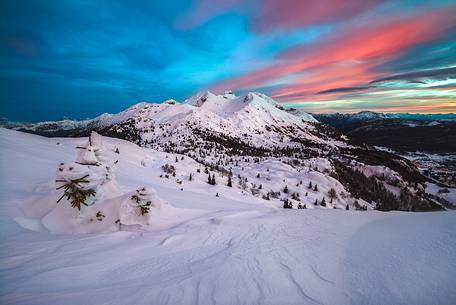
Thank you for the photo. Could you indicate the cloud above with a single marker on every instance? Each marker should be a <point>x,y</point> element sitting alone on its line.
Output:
<point>203,10</point>
<point>291,14</point>
<point>415,76</point>
<point>349,58</point>
<point>342,89</point>
<point>270,15</point>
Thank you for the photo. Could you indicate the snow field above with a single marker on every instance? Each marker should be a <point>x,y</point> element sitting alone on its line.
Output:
<point>232,249</point>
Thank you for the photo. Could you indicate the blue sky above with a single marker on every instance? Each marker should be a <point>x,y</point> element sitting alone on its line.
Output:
<point>78,59</point>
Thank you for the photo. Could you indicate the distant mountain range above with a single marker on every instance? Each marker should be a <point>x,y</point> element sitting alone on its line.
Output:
<point>434,133</point>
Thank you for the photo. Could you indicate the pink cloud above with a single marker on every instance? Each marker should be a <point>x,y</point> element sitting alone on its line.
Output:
<point>349,58</point>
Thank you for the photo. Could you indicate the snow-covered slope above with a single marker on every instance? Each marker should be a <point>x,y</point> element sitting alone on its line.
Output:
<point>233,249</point>
<point>301,114</point>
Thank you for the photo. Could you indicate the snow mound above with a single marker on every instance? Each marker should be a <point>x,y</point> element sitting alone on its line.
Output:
<point>88,200</point>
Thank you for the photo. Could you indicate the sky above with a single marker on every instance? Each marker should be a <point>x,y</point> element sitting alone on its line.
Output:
<point>78,59</point>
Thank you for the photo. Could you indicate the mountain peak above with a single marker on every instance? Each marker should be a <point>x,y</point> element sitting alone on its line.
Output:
<point>367,115</point>
<point>200,98</point>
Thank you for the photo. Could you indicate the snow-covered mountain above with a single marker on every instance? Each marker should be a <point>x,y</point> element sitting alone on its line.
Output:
<point>254,121</point>
<point>228,133</point>
<point>341,119</point>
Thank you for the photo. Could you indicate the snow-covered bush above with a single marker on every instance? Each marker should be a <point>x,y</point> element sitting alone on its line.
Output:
<point>139,207</point>
<point>89,178</point>
<point>87,199</point>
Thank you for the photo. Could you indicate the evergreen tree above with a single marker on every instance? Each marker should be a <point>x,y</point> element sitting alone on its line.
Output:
<point>316,188</point>
<point>230,183</point>
<point>347,207</point>
<point>213,180</point>
<point>316,202</point>
<point>323,202</point>
<point>285,189</point>
<point>209,179</point>
<point>310,185</point>
<point>190,177</point>
<point>258,175</point>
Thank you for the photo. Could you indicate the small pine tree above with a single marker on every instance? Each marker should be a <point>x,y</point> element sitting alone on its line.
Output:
<point>230,183</point>
<point>285,189</point>
<point>190,178</point>
<point>316,188</point>
<point>323,202</point>
<point>217,194</point>
<point>177,159</point>
<point>316,202</point>
<point>306,194</point>
<point>347,207</point>
<point>209,179</point>
<point>213,180</point>
<point>310,185</point>
<point>258,175</point>
<point>260,187</point>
